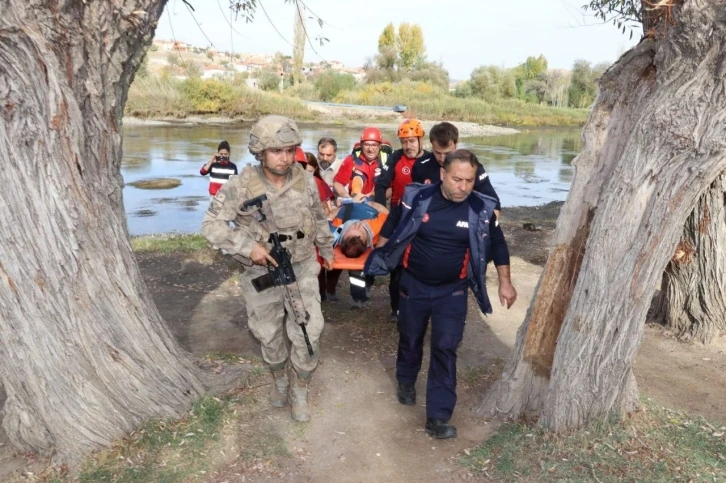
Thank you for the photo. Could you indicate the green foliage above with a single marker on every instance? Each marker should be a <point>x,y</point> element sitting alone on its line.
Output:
<point>305,90</point>
<point>428,101</point>
<point>169,243</point>
<point>157,96</point>
<point>623,14</point>
<point>492,82</point>
<point>583,83</point>
<point>387,39</point>
<point>161,97</point>
<point>410,45</point>
<point>402,51</point>
<point>530,70</point>
<point>209,95</point>
<point>463,89</point>
<point>431,72</point>
<point>329,83</point>
<point>268,80</point>
<point>655,445</point>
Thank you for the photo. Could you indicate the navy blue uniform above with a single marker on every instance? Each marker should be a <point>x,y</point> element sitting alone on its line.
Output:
<point>428,171</point>
<point>434,287</point>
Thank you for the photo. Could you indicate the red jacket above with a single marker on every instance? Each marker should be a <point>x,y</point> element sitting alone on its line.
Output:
<point>360,168</point>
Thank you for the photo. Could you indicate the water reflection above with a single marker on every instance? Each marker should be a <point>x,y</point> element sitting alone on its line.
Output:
<point>527,169</point>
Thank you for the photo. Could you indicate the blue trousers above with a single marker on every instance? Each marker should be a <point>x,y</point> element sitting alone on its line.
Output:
<point>446,306</point>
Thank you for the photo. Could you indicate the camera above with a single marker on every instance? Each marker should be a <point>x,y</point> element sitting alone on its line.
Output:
<point>221,157</point>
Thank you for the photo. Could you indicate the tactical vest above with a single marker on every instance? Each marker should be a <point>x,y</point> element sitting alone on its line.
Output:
<point>289,211</point>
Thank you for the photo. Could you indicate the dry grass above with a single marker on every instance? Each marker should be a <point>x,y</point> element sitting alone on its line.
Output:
<point>655,444</point>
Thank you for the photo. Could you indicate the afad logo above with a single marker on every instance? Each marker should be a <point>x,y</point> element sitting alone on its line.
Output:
<point>427,181</point>
<point>425,218</point>
<point>406,170</point>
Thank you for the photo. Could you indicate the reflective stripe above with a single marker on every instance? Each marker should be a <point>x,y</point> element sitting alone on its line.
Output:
<point>357,282</point>
<point>218,180</point>
<point>222,171</point>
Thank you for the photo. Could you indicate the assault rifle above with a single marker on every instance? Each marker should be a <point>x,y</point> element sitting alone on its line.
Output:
<point>282,275</point>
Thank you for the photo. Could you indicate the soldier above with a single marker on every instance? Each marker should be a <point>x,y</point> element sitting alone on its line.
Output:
<point>292,210</point>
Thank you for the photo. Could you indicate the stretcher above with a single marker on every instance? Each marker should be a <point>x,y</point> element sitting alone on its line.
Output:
<point>354,266</point>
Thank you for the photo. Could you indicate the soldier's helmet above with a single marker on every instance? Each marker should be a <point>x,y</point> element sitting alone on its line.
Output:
<point>273,132</point>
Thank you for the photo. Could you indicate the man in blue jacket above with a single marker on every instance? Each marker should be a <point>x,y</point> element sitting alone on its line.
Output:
<point>443,234</point>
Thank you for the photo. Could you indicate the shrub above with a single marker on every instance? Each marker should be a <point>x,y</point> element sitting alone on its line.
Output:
<point>330,83</point>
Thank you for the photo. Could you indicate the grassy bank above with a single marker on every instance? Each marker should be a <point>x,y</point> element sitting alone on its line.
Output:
<point>159,97</point>
<point>429,102</point>
<point>656,444</point>
<point>169,243</point>
<point>155,97</point>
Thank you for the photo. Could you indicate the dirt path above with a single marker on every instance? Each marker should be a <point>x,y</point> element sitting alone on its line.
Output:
<point>359,432</point>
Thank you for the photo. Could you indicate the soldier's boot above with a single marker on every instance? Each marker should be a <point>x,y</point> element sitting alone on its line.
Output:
<point>299,397</point>
<point>279,392</point>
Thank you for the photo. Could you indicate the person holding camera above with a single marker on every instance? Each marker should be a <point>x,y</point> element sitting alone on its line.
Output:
<point>275,207</point>
<point>219,168</point>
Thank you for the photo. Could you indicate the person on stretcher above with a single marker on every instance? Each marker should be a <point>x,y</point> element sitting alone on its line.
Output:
<point>355,228</point>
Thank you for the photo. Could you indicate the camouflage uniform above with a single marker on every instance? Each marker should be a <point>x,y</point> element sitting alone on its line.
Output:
<point>296,214</point>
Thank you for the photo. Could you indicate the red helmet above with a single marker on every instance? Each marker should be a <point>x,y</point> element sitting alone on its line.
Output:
<point>371,134</point>
<point>300,155</point>
<point>410,128</point>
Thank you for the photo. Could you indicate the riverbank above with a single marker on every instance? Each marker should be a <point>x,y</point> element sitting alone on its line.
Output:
<point>466,129</point>
<point>156,98</point>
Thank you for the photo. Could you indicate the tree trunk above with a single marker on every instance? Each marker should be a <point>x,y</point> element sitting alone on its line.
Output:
<point>298,51</point>
<point>652,144</point>
<point>84,354</point>
<point>692,301</point>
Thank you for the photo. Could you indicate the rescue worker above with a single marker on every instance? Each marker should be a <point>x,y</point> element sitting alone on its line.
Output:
<point>357,175</point>
<point>444,139</point>
<point>292,210</point>
<point>396,175</point>
<point>444,235</point>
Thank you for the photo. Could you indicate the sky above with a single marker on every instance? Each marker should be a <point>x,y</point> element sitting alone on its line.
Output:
<point>461,34</point>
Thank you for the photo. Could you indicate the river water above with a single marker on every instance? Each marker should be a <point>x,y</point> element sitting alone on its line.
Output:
<point>527,169</point>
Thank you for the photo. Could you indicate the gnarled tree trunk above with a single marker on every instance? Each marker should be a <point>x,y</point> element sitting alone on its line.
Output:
<point>84,354</point>
<point>652,144</point>
<point>692,300</point>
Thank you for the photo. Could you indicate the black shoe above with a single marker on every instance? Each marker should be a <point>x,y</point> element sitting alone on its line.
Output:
<point>406,394</point>
<point>440,429</point>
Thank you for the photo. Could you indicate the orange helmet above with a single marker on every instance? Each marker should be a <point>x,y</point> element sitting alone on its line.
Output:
<point>410,128</point>
<point>371,134</point>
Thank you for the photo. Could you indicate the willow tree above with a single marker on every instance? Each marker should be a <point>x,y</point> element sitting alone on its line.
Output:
<point>653,142</point>
<point>692,299</point>
<point>84,354</point>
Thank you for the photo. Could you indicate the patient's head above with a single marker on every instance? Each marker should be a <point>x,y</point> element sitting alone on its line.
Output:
<point>354,241</point>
